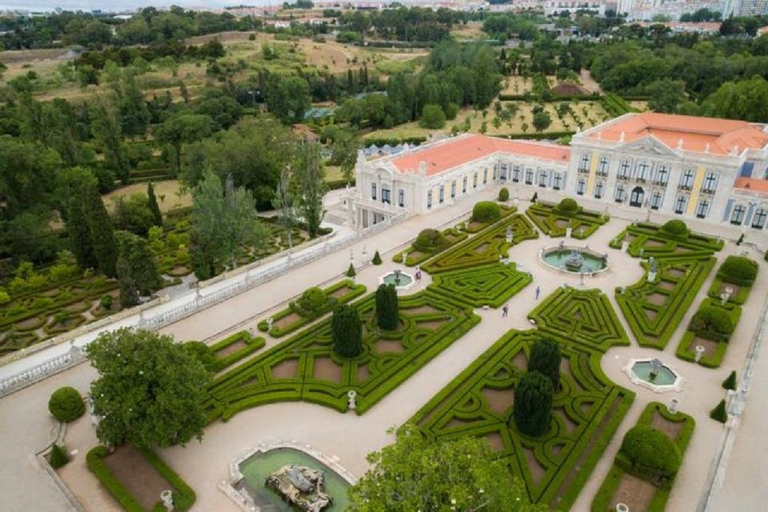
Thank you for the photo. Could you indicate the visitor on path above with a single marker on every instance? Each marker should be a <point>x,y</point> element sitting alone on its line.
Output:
<point>538,292</point>
<point>505,310</point>
<point>418,275</point>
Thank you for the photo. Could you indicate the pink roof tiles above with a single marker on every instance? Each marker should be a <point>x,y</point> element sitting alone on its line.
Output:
<point>452,153</point>
<point>753,184</point>
<point>700,134</point>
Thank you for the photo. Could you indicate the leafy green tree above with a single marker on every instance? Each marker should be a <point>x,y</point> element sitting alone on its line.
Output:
<point>746,100</point>
<point>27,175</point>
<point>134,113</point>
<point>28,237</point>
<point>309,182</point>
<point>150,390</point>
<point>532,411</point>
<point>133,214</point>
<point>432,117</point>
<point>418,473</point>
<point>545,358</point>
<point>541,121</point>
<point>157,216</point>
<point>387,313</point>
<point>102,233</point>
<point>344,149</point>
<point>665,95</point>
<point>107,129</point>
<point>283,203</point>
<point>347,331</point>
<point>136,269</point>
<point>224,218</point>
<point>181,129</point>
<point>72,185</point>
<point>288,98</point>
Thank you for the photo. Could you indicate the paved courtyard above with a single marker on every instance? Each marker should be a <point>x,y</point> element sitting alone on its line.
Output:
<point>27,427</point>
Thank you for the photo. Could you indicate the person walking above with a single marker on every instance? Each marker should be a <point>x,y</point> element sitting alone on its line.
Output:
<point>505,310</point>
<point>538,292</point>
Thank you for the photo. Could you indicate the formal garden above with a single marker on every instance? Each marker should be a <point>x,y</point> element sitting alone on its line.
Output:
<point>554,220</point>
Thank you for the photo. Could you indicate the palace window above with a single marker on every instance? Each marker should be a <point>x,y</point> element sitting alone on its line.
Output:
<point>662,176</point>
<point>602,167</point>
<point>485,176</point>
<point>386,195</point>
<point>680,204</point>
<point>624,169</point>
<point>401,198</point>
<point>702,209</point>
<point>542,178</point>
<point>758,220</point>
<point>557,180</point>
<point>618,196</point>
<point>599,190</point>
<point>710,181</point>
<point>474,180</point>
<point>464,185</point>
<point>656,201</point>
<point>686,181</point>
<point>373,191</point>
<point>581,186</point>
<point>441,195</point>
<point>642,169</point>
<point>429,199</point>
<point>584,163</point>
<point>453,189</point>
<point>737,217</point>
<point>516,174</point>
<point>529,176</point>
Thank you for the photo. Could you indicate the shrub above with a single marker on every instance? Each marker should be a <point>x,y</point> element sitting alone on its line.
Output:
<point>650,454</point>
<point>738,270</point>
<point>504,194</point>
<point>486,211</point>
<point>59,457</point>
<point>387,316</point>
<point>376,258</point>
<point>545,359</point>
<point>429,240</point>
<point>675,228</point>
<point>201,352</point>
<point>532,411</point>
<point>712,320</point>
<point>351,271</point>
<point>4,298</point>
<point>730,382</point>
<point>66,404</point>
<point>311,301</point>
<point>568,206</point>
<point>719,413</point>
<point>347,332</point>
<point>106,302</point>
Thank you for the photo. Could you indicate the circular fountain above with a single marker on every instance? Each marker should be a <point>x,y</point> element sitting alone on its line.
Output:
<point>574,260</point>
<point>400,279</point>
<point>654,375</point>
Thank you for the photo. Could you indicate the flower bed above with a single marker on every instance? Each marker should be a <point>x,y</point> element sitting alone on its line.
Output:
<point>554,222</point>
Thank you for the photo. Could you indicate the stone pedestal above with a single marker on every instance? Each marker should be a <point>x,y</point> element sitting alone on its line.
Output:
<point>568,232</point>
<point>624,246</point>
<point>651,276</point>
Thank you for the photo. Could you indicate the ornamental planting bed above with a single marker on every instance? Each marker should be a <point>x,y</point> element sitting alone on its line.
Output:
<point>586,410</point>
<point>554,222</point>
<point>487,285</point>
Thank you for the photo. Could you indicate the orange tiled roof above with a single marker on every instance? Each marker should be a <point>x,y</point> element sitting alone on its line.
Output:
<point>753,184</point>
<point>700,134</point>
<point>446,155</point>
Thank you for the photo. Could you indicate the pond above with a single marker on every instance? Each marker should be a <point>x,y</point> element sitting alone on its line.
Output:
<point>258,467</point>
<point>664,376</point>
<point>574,260</point>
<point>401,280</point>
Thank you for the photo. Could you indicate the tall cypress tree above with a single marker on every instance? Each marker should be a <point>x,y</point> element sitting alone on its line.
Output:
<point>545,358</point>
<point>80,233</point>
<point>532,411</point>
<point>157,216</point>
<point>102,234</point>
<point>136,269</point>
<point>386,307</point>
<point>347,331</point>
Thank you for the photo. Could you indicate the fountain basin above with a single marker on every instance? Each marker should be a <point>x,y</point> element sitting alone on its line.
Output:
<point>641,372</point>
<point>401,280</point>
<point>574,260</point>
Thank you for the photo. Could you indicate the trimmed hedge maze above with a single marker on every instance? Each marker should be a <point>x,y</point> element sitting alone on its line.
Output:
<point>415,256</point>
<point>306,368</point>
<point>232,349</point>
<point>289,320</point>
<point>491,285</point>
<point>714,345</point>
<point>487,247</point>
<point>655,308</point>
<point>554,222</point>
<point>587,410</point>
<point>679,427</point>
<point>581,316</point>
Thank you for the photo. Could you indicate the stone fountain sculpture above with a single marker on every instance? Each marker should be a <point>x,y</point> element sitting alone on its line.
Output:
<point>574,261</point>
<point>301,486</point>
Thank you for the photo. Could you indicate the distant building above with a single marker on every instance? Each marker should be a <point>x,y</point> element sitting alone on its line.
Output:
<point>745,8</point>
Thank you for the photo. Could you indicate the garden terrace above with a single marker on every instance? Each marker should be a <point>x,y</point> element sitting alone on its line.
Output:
<point>232,349</point>
<point>654,309</point>
<point>487,285</point>
<point>289,320</point>
<point>715,344</point>
<point>474,226</point>
<point>639,494</point>
<point>586,412</point>
<point>646,240</point>
<point>580,316</point>
<point>740,286</point>
<point>487,247</point>
<point>135,478</point>
<point>306,368</point>
<point>415,256</point>
<point>554,222</point>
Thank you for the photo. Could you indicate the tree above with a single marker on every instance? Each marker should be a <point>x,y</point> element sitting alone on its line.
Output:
<point>107,129</point>
<point>157,216</point>
<point>283,203</point>
<point>351,271</point>
<point>344,149</point>
<point>71,187</point>
<point>719,413</point>
<point>133,214</point>
<point>376,258</point>
<point>150,390</point>
<point>418,473</point>
<point>387,314</point>
<point>532,411</point>
<point>666,94</point>
<point>224,218</point>
<point>541,121</point>
<point>309,182</point>
<point>347,331</point>
<point>136,268</point>
<point>432,117</point>
<point>746,100</point>
<point>102,233</point>
<point>183,128</point>
<point>288,98</point>
<point>545,358</point>
<point>730,382</point>
<point>59,457</point>
<point>650,452</point>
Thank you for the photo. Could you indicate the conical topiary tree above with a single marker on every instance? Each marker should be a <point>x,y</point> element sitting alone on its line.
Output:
<point>532,411</point>
<point>351,271</point>
<point>386,307</point>
<point>730,382</point>
<point>58,457</point>
<point>347,331</point>
<point>376,259</point>
<point>545,359</point>
<point>719,413</point>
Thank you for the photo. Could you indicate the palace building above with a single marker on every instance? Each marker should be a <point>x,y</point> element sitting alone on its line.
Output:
<point>692,167</point>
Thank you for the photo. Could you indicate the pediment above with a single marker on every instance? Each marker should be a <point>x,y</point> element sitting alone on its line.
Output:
<point>650,145</point>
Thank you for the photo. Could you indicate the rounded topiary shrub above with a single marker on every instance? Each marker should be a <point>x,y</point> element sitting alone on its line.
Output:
<point>712,320</point>
<point>738,270</point>
<point>675,228</point>
<point>312,299</point>
<point>650,454</point>
<point>532,410</point>
<point>429,240</point>
<point>66,404</point>
<point>568,206</point>
<point>504,194</point>
<point>486,211</point>
<point>545,358</point>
